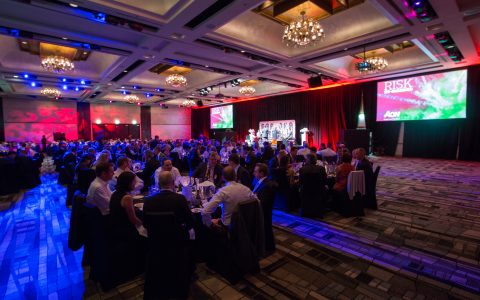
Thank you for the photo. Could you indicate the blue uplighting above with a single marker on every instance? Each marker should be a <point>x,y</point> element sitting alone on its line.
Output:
<point>25,76</point>
<point>76,89</point>
<point>100,17</point>
<point>65,87</point>
<point>82,81</point>
<point>33,83</point>
<point>124,92</point>
<point>64,79</point>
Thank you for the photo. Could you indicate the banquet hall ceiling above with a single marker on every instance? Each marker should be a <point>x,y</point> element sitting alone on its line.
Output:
<point>128,47</point>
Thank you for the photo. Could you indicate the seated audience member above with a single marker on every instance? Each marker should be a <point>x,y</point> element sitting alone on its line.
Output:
<point>362,163</point>
<point>122,213</point>
<point>167,200</point>
<point>99,193</point>
<point>168,166</point>
<point>151,164</point>
<point>312,181</point>
<point>241,174</point>
<point>293,154</point>
<point>104,157</point>
<point>229,196</point>
<point>123,165</point>
<point>211,171</point>
<point>304,150</point>
<point>84,174</point>
<point>342,172</point>
<point>327,153</point>
<point>169,270</point>
<point>264,189</point>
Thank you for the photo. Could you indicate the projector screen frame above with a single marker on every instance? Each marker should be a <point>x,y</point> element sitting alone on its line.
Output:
<point>416,76</point>
<point>219,107</point>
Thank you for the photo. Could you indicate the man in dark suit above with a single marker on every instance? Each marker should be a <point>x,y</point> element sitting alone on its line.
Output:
<point>241,173</point>
<point>265,191</point>
<point>362,163</point>
<point>167,200</point>
<point>312,187</point>
<point>169,270</point>
<point>211,171</point>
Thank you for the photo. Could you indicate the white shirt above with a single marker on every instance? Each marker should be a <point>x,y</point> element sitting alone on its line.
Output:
<point>138,182</point>
<point>175,172</point>
<point>228,197</point>
<point>327,152</point>
<point>303,151</point>
<point>99,195</point>
<point>179,150</point>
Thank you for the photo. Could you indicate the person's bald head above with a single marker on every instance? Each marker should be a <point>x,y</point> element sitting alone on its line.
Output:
<point>229,173</point>
<point>165,180</point>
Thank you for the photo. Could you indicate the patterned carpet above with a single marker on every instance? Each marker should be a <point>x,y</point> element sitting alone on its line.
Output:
<point>422,243</point>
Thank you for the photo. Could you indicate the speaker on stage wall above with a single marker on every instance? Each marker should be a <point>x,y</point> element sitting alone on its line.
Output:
<point>59,136</point>
<point>315,81</point>
<point>355,138</point>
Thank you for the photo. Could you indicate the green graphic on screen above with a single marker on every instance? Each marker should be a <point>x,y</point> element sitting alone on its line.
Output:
<point>427,97</point>
<point>221,117</point>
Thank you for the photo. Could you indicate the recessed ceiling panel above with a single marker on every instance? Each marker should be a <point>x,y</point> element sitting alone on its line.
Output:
<point>262,33</point>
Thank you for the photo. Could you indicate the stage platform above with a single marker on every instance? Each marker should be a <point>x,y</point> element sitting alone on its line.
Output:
<point>422,243</point>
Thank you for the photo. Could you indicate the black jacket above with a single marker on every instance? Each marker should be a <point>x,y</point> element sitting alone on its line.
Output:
<point>168,201</point>
<point>266,194</point>
<point>201,171</point>
<point>243,177</point>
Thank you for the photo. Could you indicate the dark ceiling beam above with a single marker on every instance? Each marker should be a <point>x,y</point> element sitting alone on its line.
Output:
<point>326,5</point>
<point>284,6</point>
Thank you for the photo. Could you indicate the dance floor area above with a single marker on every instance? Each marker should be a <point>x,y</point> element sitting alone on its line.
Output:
<point>422,243</point>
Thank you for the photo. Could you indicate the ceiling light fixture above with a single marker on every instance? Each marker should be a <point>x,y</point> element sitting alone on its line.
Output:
<point>371,65</point>
<point>131,98</point>
<point>51,93</point>
<point>188,103</point>
<point>176,80</point>
<point>247,90</point>
<point>57,64</point>
<point>303,32</point>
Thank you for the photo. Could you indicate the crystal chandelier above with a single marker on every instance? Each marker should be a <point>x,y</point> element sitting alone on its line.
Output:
<point>131,98</point>
<point>176,80</point>
<point>188,103</point>
<point>371,65</point>
<point>247,90</point>
<point>303,32</point>
<point>57,64</point>
<point>51,93</point>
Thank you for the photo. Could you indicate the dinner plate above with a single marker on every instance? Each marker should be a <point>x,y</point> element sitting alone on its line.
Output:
<point>139,206</point>
<point>138,196</point>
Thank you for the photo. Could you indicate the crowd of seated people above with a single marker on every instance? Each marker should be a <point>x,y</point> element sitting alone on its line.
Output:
<point>110,172</point>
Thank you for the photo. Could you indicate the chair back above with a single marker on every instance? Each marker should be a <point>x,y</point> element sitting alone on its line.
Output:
<point>247,236</point>
<point>162,227</point>
<point>76,233</point>
<point>356,183</point>
<point>167,269</point>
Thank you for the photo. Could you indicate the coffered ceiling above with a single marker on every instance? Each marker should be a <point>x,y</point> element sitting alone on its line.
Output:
<point>128,47</point>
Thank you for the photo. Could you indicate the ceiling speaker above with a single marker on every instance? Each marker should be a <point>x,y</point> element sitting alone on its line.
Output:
<point>315,81</point>
<point>199,103</point>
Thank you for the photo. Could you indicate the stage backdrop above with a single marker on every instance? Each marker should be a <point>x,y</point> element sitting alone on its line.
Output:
<point>279,130</point>
<point>28,120</point>
<point>171,123</point>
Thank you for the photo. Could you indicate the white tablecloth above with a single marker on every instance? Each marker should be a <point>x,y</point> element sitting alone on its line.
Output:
<point>355,183</point>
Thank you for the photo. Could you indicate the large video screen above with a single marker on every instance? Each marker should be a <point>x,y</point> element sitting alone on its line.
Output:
<point>428,97</point>
<point>221,117</point>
